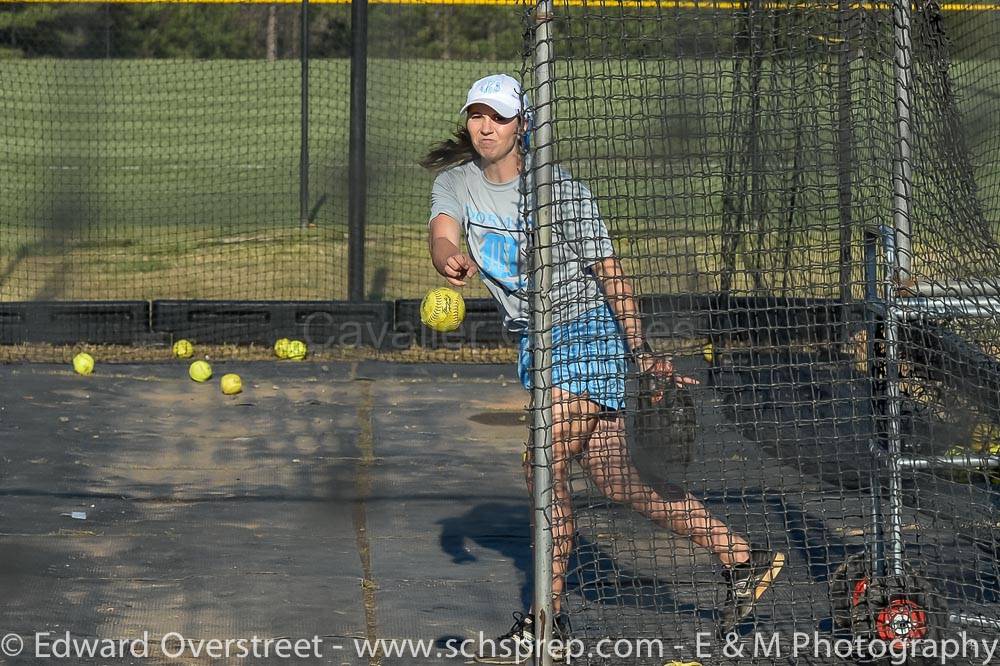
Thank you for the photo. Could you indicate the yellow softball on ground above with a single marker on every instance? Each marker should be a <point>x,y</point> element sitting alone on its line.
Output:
<point>281,347</point>
<point>708,352</point>
<point>231,384</point>
<point>200,371</point>
<point>442,309</point>
<point>296,350</point>
<point>83,363</point>
<point>183,349</point>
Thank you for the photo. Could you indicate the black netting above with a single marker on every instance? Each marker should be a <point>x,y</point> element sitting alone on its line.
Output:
<point>143,164</point>
<point>153,151</point>
<point>804,201</point>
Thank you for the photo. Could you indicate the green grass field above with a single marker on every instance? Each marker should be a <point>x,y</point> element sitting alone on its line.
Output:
<point>169,179</point>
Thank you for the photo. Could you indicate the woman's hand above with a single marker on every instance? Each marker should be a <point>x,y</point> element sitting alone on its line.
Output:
<point>662,367</point>
<point>448,260</point>
<point>458,268</point>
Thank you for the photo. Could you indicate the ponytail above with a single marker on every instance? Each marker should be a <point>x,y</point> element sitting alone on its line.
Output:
<point>450,152</point>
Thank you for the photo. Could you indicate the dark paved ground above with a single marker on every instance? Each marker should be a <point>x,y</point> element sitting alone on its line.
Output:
<point>371,500</point>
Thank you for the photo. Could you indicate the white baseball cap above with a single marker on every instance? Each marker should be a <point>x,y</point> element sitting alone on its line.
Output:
<point>500,92</point>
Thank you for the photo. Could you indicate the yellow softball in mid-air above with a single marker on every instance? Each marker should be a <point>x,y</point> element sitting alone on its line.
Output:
<point>708,352</point>
<point>200,371</point>
<point>83,363</point>
<point>231,384</point>
<point>442,309</point>
<point>183,349</point>
<point>296,350</point>
<point>281,347</point>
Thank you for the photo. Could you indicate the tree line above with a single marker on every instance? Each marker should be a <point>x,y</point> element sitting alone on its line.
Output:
<point>200,31</point>
<point>458,32</point>
<point>449,32</point>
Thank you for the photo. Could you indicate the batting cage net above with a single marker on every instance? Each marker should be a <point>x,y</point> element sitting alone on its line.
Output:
<point>799,204</point>
<point>152,151</point>
<point>412,94</point>
<point>184,151</point>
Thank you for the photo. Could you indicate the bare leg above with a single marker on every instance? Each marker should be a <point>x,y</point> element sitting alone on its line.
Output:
<point>573,422</point>
<point>608,462</point>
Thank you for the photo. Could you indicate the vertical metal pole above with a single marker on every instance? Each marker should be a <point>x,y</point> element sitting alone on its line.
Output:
<point>845,159</point>
<point>357,198</point>
<point>874,312</point>
<point>902,172</point>
<point>541,393</point>
<point>898,254</point>
<point>304,116</point>
<point>754,143</point>
<point>893,425</point>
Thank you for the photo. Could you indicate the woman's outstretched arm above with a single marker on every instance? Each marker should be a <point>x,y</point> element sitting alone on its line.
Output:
<point>448,259</point>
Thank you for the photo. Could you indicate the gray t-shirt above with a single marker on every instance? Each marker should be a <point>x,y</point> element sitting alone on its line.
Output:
<point>493,218</point>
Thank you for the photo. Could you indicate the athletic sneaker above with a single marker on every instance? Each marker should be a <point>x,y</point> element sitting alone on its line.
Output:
<point>517,646</point>
<point>746,583</point>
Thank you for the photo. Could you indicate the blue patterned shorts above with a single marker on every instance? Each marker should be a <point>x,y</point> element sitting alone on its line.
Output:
<point>588,357</point>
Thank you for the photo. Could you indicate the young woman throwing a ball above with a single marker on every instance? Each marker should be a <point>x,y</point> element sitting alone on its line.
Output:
<point>596,333</point>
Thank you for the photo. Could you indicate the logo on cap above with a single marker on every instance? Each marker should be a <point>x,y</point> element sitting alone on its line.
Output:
<point>500,92</point>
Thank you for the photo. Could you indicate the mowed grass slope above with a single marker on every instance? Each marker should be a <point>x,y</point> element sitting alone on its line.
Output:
<point>174,179</point>
<point>170,179</point>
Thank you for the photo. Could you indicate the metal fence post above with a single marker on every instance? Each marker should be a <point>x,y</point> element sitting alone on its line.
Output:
<point>357,198</point>
<point>541,307</point>
<point>304,117</point>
